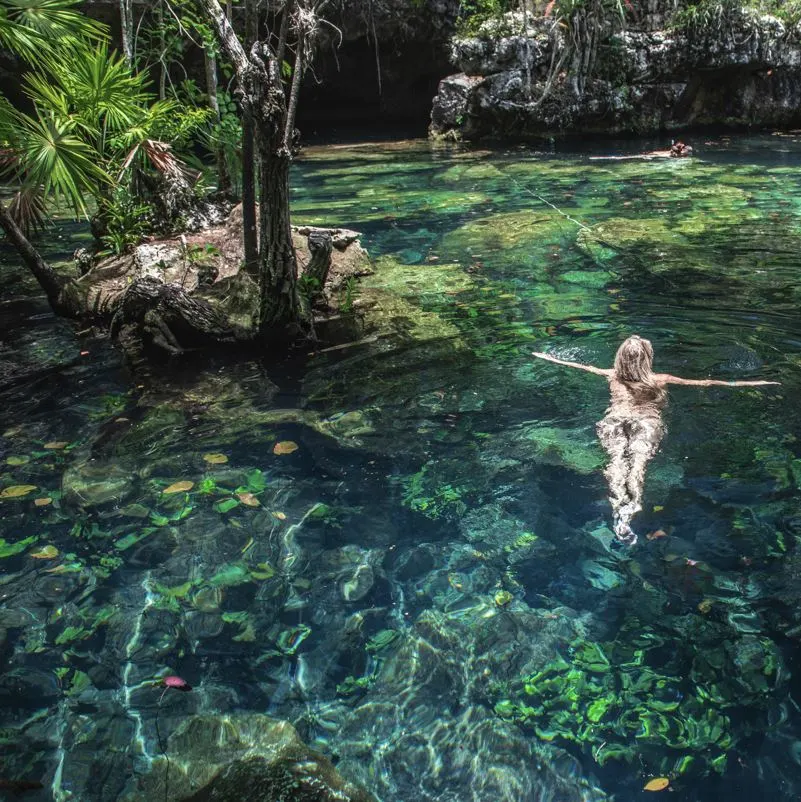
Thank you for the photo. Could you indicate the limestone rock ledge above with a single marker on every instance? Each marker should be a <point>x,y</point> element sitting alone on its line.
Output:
<point>743,72</point>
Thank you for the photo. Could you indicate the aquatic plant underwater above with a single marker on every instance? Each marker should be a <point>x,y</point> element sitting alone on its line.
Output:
<point>402,546</point>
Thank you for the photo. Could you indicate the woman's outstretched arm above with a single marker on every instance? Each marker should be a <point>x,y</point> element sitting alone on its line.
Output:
<point>666,378</point>
<point>588,368</point>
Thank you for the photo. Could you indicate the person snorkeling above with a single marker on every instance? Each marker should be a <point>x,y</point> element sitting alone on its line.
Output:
<point>632,428</point>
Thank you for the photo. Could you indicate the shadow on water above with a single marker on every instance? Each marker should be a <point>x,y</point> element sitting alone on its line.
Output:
<point>402,547</point>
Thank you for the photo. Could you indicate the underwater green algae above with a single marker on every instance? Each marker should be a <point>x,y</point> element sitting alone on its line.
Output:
<point>608,700</point>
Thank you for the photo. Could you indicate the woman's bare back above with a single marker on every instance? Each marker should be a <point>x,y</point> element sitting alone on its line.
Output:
<point>631,402</point>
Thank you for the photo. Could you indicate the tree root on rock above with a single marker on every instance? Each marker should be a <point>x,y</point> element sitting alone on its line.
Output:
<point>167,317</point>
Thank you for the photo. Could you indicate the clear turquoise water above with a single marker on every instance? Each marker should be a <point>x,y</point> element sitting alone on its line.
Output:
<point>426,588</point>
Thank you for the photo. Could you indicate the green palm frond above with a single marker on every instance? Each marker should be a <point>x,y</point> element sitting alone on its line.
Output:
<point>52,157</point>
<point>46,94</point>
<point>102,86</point>
<point>151,122</point>
<point>31,28</point>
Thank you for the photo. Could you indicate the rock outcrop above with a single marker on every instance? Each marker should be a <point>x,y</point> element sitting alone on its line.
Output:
<point>662,72</point>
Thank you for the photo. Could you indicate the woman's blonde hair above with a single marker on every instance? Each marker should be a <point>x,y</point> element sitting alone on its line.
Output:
<point>634,363</point>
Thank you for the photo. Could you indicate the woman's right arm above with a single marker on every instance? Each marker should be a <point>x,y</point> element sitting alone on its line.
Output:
<point>588,368</point>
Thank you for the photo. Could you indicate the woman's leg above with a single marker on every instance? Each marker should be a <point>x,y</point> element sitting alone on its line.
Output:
<point>614,437</point>
<point>646,434</point>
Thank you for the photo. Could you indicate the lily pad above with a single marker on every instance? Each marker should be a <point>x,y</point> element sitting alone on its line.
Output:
<point>230,575</point>
<point>45,553</point>
<point>248,499</point>
<point>285,447</point>
<point>18,491</point>
<point>178,487</point>
<point>226,505</point>
<point>381,640</point>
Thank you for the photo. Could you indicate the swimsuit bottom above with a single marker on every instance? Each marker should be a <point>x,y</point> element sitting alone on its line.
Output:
<point>637,434</point>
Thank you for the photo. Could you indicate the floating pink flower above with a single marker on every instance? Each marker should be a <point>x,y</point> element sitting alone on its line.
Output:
<point>176,682</point>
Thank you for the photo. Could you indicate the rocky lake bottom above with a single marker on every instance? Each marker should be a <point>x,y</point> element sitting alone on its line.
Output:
<point>401,547</point>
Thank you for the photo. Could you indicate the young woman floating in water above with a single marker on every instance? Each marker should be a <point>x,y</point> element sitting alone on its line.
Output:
<point>632,427</point>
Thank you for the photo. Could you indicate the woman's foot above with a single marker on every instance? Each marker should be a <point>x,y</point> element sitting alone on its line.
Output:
<point>624,533</point>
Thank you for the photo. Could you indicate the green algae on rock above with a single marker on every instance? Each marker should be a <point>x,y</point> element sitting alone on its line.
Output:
<point>504,231</point>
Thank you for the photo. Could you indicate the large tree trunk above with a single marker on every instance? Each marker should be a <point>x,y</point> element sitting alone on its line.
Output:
<point>259,78</point>
<point>210,62</point>
<point>50,281</point>
<point>249,232</point>
<point>280,305</point>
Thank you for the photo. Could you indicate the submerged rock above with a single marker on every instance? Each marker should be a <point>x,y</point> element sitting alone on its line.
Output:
<point>90,484</point>
<point>234,758</point>
<point>439,742</point>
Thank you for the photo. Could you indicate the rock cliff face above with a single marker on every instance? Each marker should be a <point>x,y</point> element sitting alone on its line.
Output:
<point>739,70</point>
<point>378,61</point>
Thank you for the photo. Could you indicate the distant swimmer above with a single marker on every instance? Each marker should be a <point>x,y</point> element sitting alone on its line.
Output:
<point>679,149</point>
<point>632,427</point>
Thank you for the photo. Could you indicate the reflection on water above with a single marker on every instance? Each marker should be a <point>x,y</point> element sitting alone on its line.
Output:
<point>401,547</point>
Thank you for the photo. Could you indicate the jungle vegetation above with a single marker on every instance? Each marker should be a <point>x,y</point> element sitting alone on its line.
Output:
<point>122,137</point>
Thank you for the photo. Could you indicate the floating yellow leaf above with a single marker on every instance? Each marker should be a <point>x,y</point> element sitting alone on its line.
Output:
<point>248,499</point>
<point>56,445</point>
<point>281,516</point>
<point>42,502</point>
<point>704,606</point>
<point>657,784</point>
<point>178,487</point>
<point>215,459</point>
<point>658,508</point>
<point>17,460</point>
<point>46,553</point>
<point>285,447</point>
<point>16,491</point>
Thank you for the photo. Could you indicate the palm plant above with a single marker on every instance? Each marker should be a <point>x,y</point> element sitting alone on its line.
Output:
<point>93,124</point>
<point>91,128</point>
<point>33,29</point>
